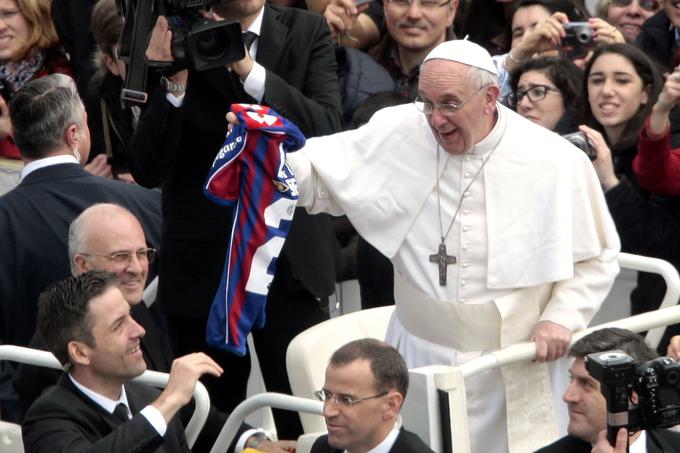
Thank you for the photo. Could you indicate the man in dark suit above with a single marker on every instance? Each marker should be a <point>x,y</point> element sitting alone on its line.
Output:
<point>108,237</point>
<point>86,322</point>
<point>50,129</point>
<point>88,326</point>
<point>177,139</point>
<point>366,383</point>
<point>587,406</point>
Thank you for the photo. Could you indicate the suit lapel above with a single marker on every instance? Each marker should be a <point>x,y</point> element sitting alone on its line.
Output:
<point>273,38</point>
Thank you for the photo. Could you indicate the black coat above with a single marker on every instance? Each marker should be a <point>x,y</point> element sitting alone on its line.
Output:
<point>660,441</point>
<point>657,40</point>
<point>647,225</point>
<point>175,148</point>
<point>407,442</point>
<point>34,221</point>
<point>64,420</point>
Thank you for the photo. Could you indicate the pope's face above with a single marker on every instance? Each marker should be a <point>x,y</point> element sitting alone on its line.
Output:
<point>447,82</point>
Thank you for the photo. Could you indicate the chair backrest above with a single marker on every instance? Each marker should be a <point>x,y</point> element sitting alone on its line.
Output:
<point>10,438</point>
<point>309,352</point>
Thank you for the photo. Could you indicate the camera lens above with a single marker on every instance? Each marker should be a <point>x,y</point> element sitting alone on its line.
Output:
<point>584,35</point>
<point>211,44</point>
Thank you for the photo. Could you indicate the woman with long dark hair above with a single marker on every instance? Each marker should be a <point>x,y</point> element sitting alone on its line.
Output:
<point>621,85</point>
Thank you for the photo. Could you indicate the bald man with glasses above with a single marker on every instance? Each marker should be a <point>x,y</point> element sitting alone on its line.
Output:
<point>365,387</point>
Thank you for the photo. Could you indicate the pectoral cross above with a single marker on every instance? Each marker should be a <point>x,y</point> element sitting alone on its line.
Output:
<point>442,260</point>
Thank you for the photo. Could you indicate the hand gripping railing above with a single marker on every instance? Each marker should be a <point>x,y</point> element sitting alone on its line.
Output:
<point>452,379</point>
<point>275,400</point>
<point>153,378</point>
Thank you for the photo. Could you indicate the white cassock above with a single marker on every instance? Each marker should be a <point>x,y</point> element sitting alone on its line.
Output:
<point>533,225</point>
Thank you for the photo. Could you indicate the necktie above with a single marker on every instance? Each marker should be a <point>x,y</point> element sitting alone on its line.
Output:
<point>249,38</point>
<point>121,412</point>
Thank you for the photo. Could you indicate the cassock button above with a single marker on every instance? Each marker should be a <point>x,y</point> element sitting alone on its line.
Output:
<point>465,247</point>
<point>466,228</point>
<point>463,283</point>
<point>467,175</point>
<point>466,212</point>
<point>466,265</point>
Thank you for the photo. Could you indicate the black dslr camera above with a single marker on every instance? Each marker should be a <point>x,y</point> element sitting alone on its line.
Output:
<point>657,384</point>
<point>577,41</point>
<point>199,42</point>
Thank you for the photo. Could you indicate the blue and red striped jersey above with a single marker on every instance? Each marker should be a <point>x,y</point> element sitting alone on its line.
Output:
<point>251,174</point>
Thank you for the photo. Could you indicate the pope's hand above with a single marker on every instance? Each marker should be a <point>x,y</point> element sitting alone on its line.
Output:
<point>552,340</point>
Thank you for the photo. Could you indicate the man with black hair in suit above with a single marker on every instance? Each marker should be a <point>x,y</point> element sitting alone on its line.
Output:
<point>88,326</point>
<point>587,407</point>
<point>365,387</point>
<point>289,66</point>
<point>86,322</point>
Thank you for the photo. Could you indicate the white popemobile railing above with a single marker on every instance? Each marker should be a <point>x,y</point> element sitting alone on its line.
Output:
<point>422,409</point>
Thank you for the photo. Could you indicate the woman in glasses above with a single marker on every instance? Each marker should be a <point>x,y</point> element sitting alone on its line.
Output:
<point>627,15</point>
<point>547,91</point>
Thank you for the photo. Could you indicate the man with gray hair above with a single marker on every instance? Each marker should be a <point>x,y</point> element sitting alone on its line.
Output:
<point>497,229</point>
<point>50,128</point>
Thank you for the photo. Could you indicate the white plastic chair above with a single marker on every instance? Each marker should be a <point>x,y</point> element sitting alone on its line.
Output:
<point>309,352</point>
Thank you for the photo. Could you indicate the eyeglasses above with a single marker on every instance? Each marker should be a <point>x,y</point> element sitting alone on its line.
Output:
<point>447,109</point>
<point>535,93</point>
<point>647,5</point>
<point>147,254</point>
<point>425,4</point>
<point>343,400</point>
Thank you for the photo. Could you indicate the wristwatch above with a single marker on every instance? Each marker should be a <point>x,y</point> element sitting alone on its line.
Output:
<point>172,87</point>
<point>255,440</point>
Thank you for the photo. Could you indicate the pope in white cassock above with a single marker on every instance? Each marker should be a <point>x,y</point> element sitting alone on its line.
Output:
<point>497,229</point>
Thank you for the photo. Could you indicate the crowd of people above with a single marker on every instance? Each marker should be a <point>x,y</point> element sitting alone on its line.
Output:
<point>434,171</point>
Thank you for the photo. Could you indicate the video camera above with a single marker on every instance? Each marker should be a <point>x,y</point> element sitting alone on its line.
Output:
<point>656,383</point>
<point>196,42</point>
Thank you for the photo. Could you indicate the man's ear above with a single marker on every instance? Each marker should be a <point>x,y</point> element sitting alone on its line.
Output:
<point>490,98</point>
<point>81,264</point>
<point>72,138</point>
<point>393,402</point>
<point>78,352</point>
